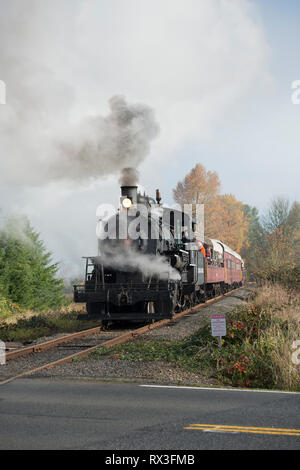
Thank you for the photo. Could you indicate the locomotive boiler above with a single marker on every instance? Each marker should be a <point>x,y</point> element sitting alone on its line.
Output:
<point>151,265</point>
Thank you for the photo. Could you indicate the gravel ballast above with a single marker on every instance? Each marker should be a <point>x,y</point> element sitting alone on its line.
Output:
<point>107,368</point>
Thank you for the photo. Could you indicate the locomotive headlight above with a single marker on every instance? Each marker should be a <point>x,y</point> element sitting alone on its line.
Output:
<point>127,203</point>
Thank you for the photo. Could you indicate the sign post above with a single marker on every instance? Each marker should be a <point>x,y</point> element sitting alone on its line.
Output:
<point>218,326</point>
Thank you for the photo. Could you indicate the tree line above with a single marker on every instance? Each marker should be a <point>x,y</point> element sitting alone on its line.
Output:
<point>270,244</point>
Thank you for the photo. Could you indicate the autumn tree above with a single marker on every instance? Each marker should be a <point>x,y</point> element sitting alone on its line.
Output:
<point>230,224</point>
<point>224,215</point>
<point>199,187</point>
<point>270,244</point>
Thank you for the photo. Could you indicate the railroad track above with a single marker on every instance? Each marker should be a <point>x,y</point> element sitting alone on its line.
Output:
<point>82,351</point>
<point>37,348</point>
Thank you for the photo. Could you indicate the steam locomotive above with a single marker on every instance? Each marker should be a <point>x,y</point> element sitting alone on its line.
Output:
<point>151,264</point>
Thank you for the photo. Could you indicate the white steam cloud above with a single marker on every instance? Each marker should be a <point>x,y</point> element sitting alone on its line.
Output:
<point>198,65</point>
<point>130,259</point>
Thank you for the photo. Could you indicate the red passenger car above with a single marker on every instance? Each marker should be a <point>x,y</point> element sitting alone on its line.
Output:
<point>224,268</point>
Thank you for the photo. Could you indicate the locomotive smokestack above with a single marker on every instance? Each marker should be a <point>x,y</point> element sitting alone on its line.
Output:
<point>128,181</point>
<point>129,192</point>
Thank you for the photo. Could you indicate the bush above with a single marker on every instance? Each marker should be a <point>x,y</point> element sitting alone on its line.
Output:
<point>257,349</point>
<point>255,353</point>
<point>8,308</point>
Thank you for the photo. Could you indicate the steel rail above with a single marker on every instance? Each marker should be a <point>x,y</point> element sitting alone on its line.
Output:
<point>41,347</point>
<point>122,338</point>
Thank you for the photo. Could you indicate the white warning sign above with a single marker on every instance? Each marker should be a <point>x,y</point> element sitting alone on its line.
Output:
<point>218,324</point>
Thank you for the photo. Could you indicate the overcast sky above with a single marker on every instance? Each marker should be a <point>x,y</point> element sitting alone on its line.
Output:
<point>217,73</point>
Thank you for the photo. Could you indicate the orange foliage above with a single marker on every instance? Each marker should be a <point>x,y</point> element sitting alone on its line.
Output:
<point>229,223</point>
<point>198,187</point>
<point>224,215</point>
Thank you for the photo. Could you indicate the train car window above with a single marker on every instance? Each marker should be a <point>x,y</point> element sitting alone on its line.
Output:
<point>172,218</point>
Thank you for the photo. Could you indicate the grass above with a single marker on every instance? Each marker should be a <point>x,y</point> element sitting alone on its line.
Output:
<point>30,326</point>
<point>282,302</point>
<point>257,351</point>
<point>8,309</point>
<point>25,326</point>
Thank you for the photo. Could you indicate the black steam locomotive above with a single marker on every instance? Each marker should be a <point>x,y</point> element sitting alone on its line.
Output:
<point>149,264</point>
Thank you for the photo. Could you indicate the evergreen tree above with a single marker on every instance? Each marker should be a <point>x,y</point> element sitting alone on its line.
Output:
<point>27,274</point>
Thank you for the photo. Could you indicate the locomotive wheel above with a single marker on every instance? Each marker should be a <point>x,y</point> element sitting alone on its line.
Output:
<point>164,308</point>
<point>92,309</point>
<point>95,308</point>
<point>201,297</point>
<point>191,300</point>
<point>177,299</point>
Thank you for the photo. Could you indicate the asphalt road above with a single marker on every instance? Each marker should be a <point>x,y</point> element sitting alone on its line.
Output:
<point>62,414</point>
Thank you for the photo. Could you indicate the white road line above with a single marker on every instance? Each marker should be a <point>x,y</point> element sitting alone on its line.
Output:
<point>221,389</point>
<point>219,432</point>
